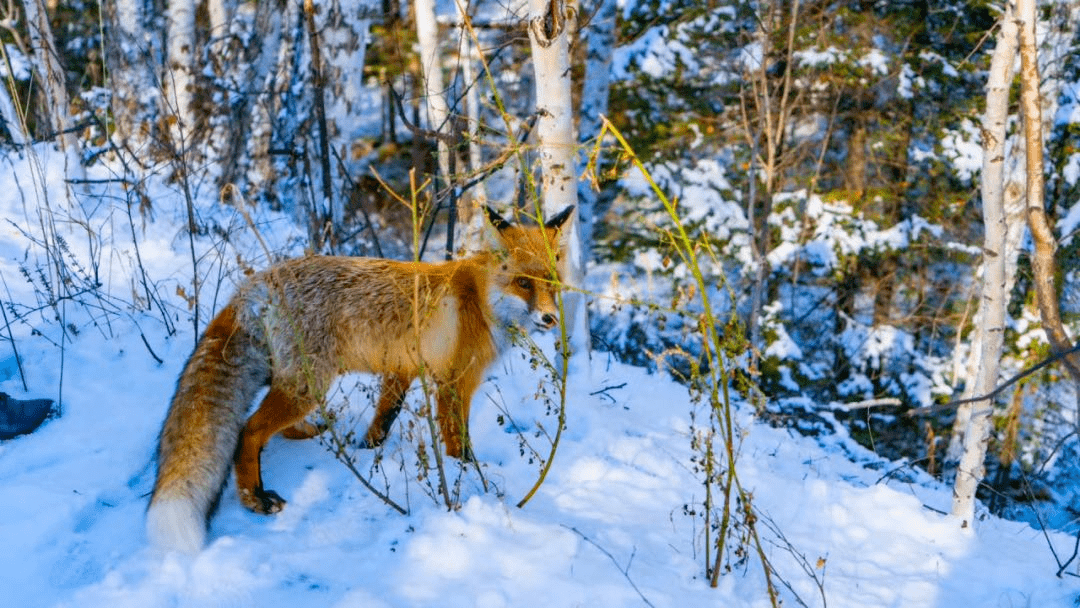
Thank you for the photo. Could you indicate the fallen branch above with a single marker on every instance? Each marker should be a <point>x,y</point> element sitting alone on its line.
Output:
<point>625,571</point>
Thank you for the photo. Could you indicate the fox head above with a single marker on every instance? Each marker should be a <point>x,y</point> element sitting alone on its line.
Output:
<point>527,278</point>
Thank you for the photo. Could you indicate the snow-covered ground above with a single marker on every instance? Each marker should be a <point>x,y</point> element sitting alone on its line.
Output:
<point>608,527</point>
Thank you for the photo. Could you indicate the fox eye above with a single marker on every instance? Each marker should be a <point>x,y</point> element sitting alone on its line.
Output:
<point>524,282</point>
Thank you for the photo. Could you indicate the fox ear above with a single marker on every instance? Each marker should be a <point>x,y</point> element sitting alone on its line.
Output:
<point>496,220</point>
<point>556,221</point>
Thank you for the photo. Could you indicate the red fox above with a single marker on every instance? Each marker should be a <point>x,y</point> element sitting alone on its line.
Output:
<point>302,322</point>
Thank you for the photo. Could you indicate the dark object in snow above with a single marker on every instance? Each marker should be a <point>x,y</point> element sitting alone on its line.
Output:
<point>18,416</point>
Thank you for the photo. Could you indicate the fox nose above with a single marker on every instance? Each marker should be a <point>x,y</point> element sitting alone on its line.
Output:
<point>548,320</point>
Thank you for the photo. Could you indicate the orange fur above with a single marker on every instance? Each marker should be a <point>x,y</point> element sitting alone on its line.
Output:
<point>303,322</point>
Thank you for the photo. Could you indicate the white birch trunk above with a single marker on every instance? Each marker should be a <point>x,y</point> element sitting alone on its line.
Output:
<point>225,135</point>
<point>130,55</point>
<point>1015,203</point>
<point>991,327</point>
<point>472,114</point>
<point>427,34</point>
<point>477,197</point>
<point>179,78</point>
<point>220,13</point>
<point>558,149</point>
<point>344,38</point>
<point>271,73</point>
<point>45,58</point>
<point>281,109</point>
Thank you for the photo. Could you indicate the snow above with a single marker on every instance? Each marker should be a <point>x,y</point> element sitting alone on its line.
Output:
<point>908,81</point>
<point>1069,224</point>
<point>946,67</point>
<point>815,57</point>
<point>653,54</point>
<point>876,61</point>
<point>16,65</point>
<point>616,523</point>
<point>963,149</point>
<point>1068,110</point>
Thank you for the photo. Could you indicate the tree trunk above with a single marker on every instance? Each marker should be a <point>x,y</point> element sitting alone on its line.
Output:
<point>342,29</point>
<point>1043,265</point>
<point>766,114</point>
<point>855,166</point>
<point>991,327</point>
<point>279,146</point>
<point>1014,203</point>
<point>470,206</point>
<point>46,60</point>
<point>427,34</point>
<point>225,78</point>
<point>178,81</point>
<point>328,221</point>
<point>130,57</point>
<point>558,149</point>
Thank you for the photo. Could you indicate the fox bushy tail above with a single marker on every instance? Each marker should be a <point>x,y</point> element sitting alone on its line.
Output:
<point>195,450</point>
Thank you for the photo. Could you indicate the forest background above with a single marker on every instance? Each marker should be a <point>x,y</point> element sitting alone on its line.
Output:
<point>808,185</point>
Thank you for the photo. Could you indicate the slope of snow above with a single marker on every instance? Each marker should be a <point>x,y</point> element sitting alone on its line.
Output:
<point>609,526</point>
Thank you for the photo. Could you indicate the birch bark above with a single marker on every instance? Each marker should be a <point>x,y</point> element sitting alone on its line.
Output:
<point>991,328</point>
<point>179,78</point>
<point>1043,265</point>
<point>130,55</point>
<point>344,30</point>
<point>276,102</point>
<point>558,149</point>
<point>467,56</point>
<point>46,61</point>
<point>427,34</point>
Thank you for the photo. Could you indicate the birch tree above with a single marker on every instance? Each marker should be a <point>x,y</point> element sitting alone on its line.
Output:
<point>1052,68</point>
<point>438,111</point>
<point>276,110</point>
<point>976,417</point>
<point>229,71</point>
<point>344,28</point>
<point>468,56</point>
<point>1043,265</point>
<point>130,57</point>
<point>179,79</point>
<point>991,328</point>
<point>557,147</point>
<point>46,61</point>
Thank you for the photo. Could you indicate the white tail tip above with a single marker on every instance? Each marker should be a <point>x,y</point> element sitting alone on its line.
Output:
<point>176,525</point>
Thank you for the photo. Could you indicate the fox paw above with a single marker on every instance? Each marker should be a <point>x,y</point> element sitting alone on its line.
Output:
<point>467,455</point>
<point>304,430</point>
<point>266,502</point>
<point>464,454</point>
<point>367,443</point>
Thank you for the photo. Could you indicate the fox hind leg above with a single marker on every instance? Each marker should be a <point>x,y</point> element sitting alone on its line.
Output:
<point>280,410</point>
<point>394,387</point>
